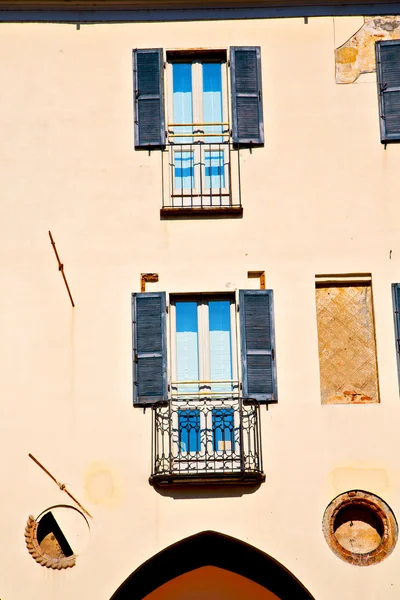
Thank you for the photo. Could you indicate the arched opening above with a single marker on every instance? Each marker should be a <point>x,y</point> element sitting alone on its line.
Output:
<point>212,583</point>
<point>220,565</point>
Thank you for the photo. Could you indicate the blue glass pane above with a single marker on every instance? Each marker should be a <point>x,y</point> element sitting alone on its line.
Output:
<point>212,98</point>
<point>189,430</point>
<point>223,430</point>
<point>182,77</point>
<point>219,315</point>
<point>184,171</point>
<point>220,344</point>
<point>182,99</point>
<point>187,353</point>
<point>215,171</point>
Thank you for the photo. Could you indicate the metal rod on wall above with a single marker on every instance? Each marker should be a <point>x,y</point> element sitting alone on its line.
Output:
<point>60,485</point>
<point>61,268</point>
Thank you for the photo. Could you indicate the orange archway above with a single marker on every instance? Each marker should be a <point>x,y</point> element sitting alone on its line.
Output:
<point>212,583</point>
<point>217,566</point>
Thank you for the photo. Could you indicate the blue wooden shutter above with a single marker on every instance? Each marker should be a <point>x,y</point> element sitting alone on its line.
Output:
<point>257,345</point>
<point>388,78</point>
<point>396,307</point>
<point>246,91</point>
<point>148,78</point>
<point>149,348</point>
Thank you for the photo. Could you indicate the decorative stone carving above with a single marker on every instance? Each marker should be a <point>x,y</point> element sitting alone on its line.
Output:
<point>48,555</point>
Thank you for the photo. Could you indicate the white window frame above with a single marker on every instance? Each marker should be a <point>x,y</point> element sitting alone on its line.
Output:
<point>185,197</point>
<point>203,343</point>
<point>183,462</point>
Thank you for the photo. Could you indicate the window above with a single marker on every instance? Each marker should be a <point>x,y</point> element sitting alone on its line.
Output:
<point>346,340</point>
<point>199,152</point>
<point>203,336</point>
<point>203,356</point>
<point>396,307</point>
<point>206,423</point>
<point>388,78</point>
<point>194,123</point>
<point>189,430</point>
<point>223,430</point>
<point>203,348</point>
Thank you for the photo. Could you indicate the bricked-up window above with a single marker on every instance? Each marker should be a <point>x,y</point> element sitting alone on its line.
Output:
<point>346,340</point>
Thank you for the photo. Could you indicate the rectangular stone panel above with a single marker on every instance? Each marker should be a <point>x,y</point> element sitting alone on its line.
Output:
<point>346,343</point>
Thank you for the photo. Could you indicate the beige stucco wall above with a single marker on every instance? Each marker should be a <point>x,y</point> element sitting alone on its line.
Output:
<point>320,197</point>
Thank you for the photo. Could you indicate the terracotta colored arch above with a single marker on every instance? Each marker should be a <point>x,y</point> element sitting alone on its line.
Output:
<point>212,549</point>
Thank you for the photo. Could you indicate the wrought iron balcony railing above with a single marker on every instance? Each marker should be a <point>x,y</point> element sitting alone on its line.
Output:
<point>204,172</point>
<point>206,440</point>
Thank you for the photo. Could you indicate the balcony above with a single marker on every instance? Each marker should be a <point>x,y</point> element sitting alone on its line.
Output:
<point>205,441</point>
<point>203,172</point>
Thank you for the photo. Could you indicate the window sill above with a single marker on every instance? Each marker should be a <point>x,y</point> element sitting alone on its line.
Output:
<point>205,212</point>
<point>177,480</point>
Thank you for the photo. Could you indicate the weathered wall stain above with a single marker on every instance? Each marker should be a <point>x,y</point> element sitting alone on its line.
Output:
<point>357,55</point>
<point>360,477</point>
<point>100,485</point>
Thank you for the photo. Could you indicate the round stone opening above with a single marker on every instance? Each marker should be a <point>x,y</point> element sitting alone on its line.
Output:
<point>358,528</point>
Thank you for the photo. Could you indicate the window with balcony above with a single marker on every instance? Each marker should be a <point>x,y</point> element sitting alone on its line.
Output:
<point>198,132</point>
<point>204,398</point>
<point>198,129</point>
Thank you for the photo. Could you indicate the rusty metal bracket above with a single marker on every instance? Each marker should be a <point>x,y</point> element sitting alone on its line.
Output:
<point>61,268</point>
<point>147,278</point>
<point>257,275</point>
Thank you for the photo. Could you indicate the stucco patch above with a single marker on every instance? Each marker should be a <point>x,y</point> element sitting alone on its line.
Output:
<point>363,478</point>
<point>357,55</point>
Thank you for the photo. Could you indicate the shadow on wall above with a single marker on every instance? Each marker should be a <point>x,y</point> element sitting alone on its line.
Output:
<point>220,491</point>
<point>238,571</point>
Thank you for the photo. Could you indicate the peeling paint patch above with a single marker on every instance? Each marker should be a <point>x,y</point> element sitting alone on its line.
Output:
<point>357,56</point>
<point>346,55</point>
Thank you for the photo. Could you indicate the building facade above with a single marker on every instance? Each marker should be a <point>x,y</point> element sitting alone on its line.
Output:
<point>200,340</point>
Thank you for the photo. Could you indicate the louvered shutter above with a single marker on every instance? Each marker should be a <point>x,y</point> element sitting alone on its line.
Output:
<point>257,345</point>
<point>246,91</point>
<point>148,77</point>
<point>149,348</point>
<point>388,77</point>
<point>396,307</point>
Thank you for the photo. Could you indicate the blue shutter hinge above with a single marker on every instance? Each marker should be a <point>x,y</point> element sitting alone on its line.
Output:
<point>167,308</point>
<point>136,357</point>
<point>238,307</point>
<point>165,65</point>
<point>273,354</point>
<point>229,63</point>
